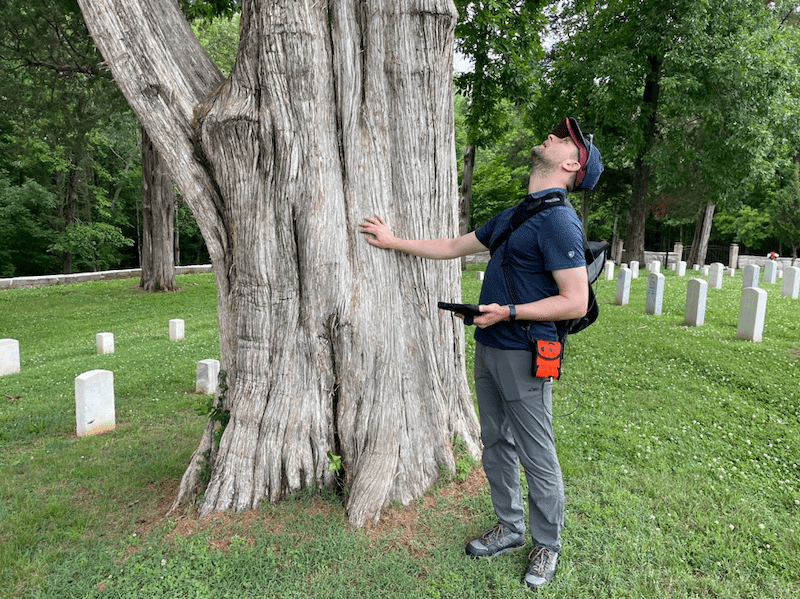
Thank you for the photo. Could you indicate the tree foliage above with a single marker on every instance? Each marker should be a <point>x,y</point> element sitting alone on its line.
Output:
<point>27,212</point>
<point>784,209</point>
<point>684,96</point>
<point>64,122</point>
<point>67,134</point>
<point>95,245</point>
<point>726,119</point>
<point>501,39</point>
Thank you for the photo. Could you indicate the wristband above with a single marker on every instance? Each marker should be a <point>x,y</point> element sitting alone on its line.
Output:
<point>512,313</point>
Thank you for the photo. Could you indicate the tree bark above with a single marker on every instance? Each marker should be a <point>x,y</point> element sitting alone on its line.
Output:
<point>69,207</point>
<point>158,218</point>
<point>640,187</point>
<point>702,233</point>
<point>465,198</point>
<point>332,112</point>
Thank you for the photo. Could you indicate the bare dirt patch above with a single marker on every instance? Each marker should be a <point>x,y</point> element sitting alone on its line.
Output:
<point>401,524</point>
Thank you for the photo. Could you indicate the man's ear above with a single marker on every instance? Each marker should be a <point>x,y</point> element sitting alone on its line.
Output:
<point>571,165</point>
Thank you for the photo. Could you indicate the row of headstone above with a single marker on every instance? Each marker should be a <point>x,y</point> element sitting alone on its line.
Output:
<point>105,341</point>
<point>752,307</point>
<point>715,272</point>
<point>679,268</point>
<point>790,287</point>
<point>94,397</point>
<point>94,390</point>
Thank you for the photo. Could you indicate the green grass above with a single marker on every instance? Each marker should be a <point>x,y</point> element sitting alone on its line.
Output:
<point>680,465</point>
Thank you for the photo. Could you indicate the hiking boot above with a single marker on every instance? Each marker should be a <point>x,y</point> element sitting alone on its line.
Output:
<point>494,542</point>
<point>542,567</point>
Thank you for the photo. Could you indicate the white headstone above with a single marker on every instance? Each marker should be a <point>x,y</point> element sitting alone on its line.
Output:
<point>752,309</point>
<point>176,329</point>
<point>750,276</point>
<point>791,282</point>
<point>731,272</point>
<point>9,356</point>
<point>105,343</point>
<point>704,270</point>
<point>680,270</point>
<point>696,294</point>
<point>634,269</point>
<point>696,267</point>
<point>94,402</point>
<point>207,376</point>
<point>479,275</point>
<point>770,271</point>
<point>655,293</point>
<point>623,286</point>
<point>609,270</point>
<point>655,266</point>
<point>715,273</point>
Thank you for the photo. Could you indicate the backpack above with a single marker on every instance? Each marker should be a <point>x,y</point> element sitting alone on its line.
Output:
<point>594,253</point>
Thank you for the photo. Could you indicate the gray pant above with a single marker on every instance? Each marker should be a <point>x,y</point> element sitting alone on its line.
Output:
<point>516,416</point>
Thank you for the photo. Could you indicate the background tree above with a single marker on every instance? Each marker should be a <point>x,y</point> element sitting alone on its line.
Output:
<point>215,24</point>
<point>158,220</point>
<point>56,105</point>
<point>784,209</point>
<point>27,212</point>
<point>331,112</point>
<point>501,41</point>
<point>662,85</point>
<point>65,126</point>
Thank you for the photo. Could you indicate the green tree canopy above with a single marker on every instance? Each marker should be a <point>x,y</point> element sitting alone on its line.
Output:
<point>686,98</point>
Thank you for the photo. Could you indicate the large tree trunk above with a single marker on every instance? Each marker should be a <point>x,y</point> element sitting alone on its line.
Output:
<point>465,197</point>
<point>69,207</point>
<point>332,112</point>
<point>158,218</point>
<point>640,186</point>
<point>637,213</point>
<point>702,233</point>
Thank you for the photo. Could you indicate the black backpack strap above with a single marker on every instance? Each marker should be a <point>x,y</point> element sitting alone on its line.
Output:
<point>591,250</point>
<point>525,210</point>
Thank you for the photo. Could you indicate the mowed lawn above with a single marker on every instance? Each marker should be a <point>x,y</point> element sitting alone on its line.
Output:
<point>679,447</point>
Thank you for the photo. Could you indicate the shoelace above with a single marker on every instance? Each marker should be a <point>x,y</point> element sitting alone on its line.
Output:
<point>495,532</point>
<point>543,557</point>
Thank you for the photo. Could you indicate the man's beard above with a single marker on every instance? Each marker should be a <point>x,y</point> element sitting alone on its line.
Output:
<point>539,162</point>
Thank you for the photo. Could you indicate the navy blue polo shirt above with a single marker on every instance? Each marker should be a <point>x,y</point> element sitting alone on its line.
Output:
<point>550,240</point>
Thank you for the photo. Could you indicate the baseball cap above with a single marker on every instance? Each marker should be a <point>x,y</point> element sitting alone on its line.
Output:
<point>588,154</point>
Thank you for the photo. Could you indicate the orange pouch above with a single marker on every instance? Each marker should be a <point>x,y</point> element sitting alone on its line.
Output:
<point>547,360</point>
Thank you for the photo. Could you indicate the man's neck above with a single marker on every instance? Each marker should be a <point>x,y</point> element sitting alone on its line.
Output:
<point>538,182</point>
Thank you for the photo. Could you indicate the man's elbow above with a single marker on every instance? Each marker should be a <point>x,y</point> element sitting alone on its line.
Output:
<point>579,306</point>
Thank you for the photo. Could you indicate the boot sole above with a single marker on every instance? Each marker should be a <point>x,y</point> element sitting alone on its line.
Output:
<point>496,553</point>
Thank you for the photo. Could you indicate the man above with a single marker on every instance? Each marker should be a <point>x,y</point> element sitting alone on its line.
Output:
<point>541,265</point>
